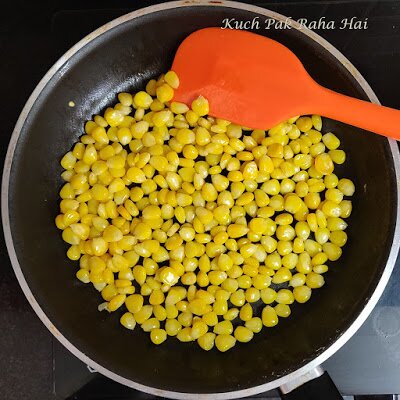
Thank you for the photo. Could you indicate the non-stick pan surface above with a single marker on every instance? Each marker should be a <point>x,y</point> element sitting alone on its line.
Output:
<point>123,59</point>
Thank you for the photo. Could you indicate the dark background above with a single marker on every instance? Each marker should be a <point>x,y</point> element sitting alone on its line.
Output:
<point>34,34</point>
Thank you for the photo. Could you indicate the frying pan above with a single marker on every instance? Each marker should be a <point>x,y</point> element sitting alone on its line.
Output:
<point>122,56</point>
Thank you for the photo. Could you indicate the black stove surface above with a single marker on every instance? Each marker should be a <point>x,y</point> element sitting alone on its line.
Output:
<point>33,35</point>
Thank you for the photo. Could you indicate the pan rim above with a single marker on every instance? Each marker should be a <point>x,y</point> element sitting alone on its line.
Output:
<point>329,351</point>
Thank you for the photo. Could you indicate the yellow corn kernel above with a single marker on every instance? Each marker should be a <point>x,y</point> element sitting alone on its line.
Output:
<point>143,314</point>
<point>189,278</point>
<point>223,328</point>
<point>199,328</point>
<point>67,192</point>
<point>164,93</point>
<point>317,122</point>
<point>320,269</point>
<point>99,134</point>
<point>125,99</point>
<point>302,293</point>
<point>172,327</point>
<point>99,246</point>
<point>243,334</point>
<point>142,99</point>
<point>90,155</point>
<point>246,312</point>
<point>83,275</point>
<point>284,296</point>
<point>206,342</point>
<point>339,238</point>
<point>210,318</point>
<point>331,141</point>
<point>128,321</point>
<point>298,279</point>
<point>332,251</point>
<point>268,295</point>
<point>269,317</point>
<point>244,281</point>
<point>150,324</point>
<point>304,123</point>
<point>74,253</point>
<point>116,302</point>
<point>112,234</point>
<point>178,108</point>
<point>314,280</point>
<point>78,150</point>
<point>70,237</point>
<point>336,224</point>
<point>68,161</point>
<point>236,230</point>
<point>254,324</point>
<point>275,150</point>
<point>134,303</point>
<point>200,106</point>
<point>282,310</point>
<point>252,295</point>
<point>231,314</point>
<point>67,175</point>
<point>157,297</point>
<point>113,117</point>
<point>158,336</point>
<point>238,298</point>
<point>185,335</point>
<point>224,342</point>
<point>220,307</point>
<point>337,156</point>
<point>171,310</point>
<point>192,118</point>
<point>151,87</point>
<point>282,275</point>
<point>168,276</point>
<point>87,139</point>
<point>346,186</point>
<point>185,318</point>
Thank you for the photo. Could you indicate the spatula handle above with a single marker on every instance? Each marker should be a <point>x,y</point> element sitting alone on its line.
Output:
<point>363,114</point>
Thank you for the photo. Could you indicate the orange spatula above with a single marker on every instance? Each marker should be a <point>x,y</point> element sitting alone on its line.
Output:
<point>257,82</point>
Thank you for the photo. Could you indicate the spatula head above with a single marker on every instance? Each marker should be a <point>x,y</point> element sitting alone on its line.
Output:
<point>247,78</point>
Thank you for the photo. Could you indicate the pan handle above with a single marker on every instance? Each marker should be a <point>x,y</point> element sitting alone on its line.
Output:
<point>314,385</point>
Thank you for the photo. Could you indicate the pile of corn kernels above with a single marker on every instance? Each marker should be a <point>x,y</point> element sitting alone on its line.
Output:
<point>197,227</point>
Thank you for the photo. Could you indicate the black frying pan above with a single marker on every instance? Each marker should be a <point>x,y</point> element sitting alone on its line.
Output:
<point>122,56</point>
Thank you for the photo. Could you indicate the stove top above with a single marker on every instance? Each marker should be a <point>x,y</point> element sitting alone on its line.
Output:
<point>32,37</point>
